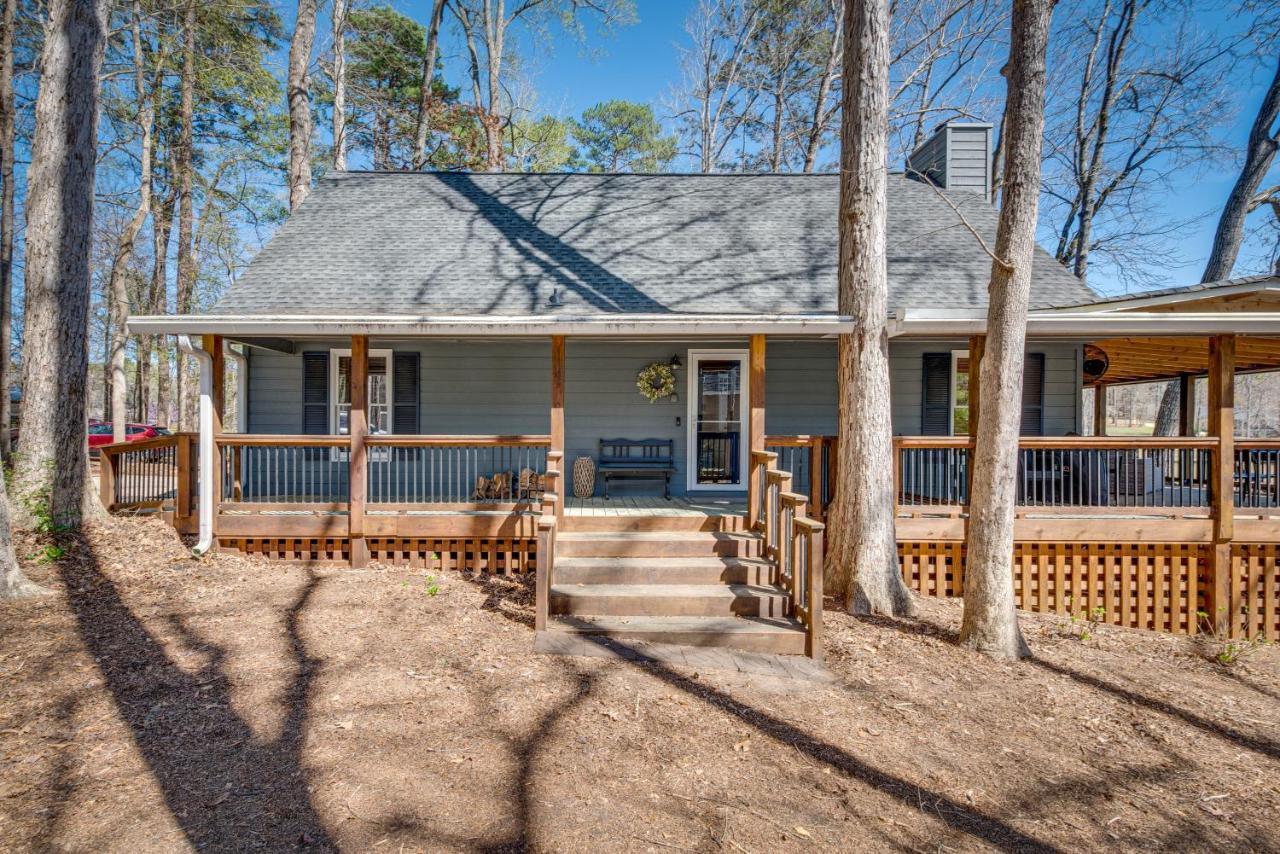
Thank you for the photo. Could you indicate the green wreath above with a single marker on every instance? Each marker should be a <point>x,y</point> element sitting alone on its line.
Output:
<point>656,381</point>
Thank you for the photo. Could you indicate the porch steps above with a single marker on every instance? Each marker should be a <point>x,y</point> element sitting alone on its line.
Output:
<point>697,588</point>
<point>753,634</point>
<point>653,543</point>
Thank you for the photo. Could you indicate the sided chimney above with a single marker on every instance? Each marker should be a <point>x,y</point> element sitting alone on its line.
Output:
<point>956,157</point>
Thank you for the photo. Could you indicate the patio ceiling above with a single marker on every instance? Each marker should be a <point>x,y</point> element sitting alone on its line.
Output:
<point>1146,359</point>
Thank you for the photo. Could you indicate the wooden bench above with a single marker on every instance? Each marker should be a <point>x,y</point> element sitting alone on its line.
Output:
<point>638,459</point>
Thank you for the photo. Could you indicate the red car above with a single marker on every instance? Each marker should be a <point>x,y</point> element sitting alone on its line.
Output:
<point>100,433</point>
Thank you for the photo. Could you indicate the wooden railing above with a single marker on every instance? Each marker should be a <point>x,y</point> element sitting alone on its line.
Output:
<point>315,472</point>
<point>1257,474</point>
<point>793,543</point>
<point>811,462</point>
<point>546,558</point>
<point>149,473</point>
<point>1174,475</point>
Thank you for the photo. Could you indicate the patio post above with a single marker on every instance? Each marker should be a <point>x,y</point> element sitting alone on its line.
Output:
<point>1222,358</point>
<point>1187,405</point>
<point>1099,410</point>
<point>755,427</point>
<point>358,422</point>
<point>557,419</point>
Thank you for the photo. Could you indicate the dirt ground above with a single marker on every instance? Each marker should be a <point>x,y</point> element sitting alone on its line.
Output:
<point>155,702</point>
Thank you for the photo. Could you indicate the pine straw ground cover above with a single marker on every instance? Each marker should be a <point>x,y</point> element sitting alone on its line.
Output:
<point>158,703</point>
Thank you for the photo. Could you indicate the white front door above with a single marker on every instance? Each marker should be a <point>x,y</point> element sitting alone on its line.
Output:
<point>717,442</point>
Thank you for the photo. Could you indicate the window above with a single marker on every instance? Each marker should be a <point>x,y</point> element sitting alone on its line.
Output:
<point>959,392</point>
<point>380,396</point>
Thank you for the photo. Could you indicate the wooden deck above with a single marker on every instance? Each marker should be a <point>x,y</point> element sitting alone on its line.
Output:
<point>656,505</point>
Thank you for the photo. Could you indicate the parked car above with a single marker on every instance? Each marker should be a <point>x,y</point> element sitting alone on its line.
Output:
<point>101,433</point>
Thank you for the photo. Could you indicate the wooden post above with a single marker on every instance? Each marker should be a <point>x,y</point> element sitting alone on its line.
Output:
<point>813,634</point>
<point>755,427</point>
<point>106,479</point>
<point>816,505</point>
<point>182,510</point>
<point>1187,405</point>
<point>1222,359</point>
<point>1099,410</point>
<point>557,415</point>
<point>358,422</point>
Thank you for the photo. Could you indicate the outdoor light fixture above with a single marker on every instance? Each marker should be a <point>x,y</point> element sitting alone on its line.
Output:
<point>675,362</point>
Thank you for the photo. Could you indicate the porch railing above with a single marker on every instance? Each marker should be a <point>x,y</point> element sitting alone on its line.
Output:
<point>1072,472</point>
<point>1257,473</point>
<point>811,461</point>
<point>314,472</point>
<point>149,474</point>
<point>793,543</point>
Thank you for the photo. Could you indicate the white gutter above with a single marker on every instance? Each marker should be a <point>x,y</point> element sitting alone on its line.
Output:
<point>206,443</point>
<point>303,326</point>
<point>1087,324</point>
<point>242,386</point>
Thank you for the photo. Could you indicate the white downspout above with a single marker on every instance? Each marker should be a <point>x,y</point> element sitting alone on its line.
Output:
<point>242,386</point>
<point>206,443</point>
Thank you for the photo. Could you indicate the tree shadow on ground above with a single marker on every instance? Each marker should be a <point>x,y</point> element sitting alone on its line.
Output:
<point>1264,746</point>
<point>224,786</point>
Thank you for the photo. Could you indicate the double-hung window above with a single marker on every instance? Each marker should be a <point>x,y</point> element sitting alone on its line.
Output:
<point>380,396</point>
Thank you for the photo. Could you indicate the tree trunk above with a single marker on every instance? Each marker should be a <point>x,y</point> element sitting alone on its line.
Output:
<point>184,168</point>
<point>50,475</point>
<point>814,143</point>
<point>1260,152</point>
<point>428,75</point>
<point>1167,415</point>
<point>990,623</point>
<point>8,140</point>
<point>13,583</point>
<point>161,227</point>
<point>864,549</point>
<point>299,97</point>
<point>495,26</point>
<point>117,290</point>
<point>339,86</point>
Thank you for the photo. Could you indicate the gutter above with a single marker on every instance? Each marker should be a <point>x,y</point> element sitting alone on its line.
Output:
<point>318,326</point>
<point>1087,324</point>
<point>205,541</point>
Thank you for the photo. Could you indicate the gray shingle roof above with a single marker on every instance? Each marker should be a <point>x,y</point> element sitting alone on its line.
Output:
<point>468,244</point>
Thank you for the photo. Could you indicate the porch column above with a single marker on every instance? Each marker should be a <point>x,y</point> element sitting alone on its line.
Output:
<point>358,422</point>
<point>557,420</point>
<point>1099,410</point>
<point>755,426</point>
<point>1222,366</point>
<point>212,344</point>
<point>1187,405</point>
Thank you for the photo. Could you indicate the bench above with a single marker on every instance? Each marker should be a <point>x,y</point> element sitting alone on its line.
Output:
<point>638,459</point>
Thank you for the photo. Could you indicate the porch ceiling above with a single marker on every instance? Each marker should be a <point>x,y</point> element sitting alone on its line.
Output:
<point>1160,358</point>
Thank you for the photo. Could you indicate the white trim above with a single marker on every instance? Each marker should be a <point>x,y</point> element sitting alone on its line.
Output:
<point>335,355</point>
<point>691,420</point>
<point>941,323</point>
<point>292,326</point>
<point>956,356</point>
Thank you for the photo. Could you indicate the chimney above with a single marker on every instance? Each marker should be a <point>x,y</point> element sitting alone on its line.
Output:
<point>956,157</point>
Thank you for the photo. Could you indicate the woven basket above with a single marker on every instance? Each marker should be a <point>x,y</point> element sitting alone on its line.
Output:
<point>584,477</point>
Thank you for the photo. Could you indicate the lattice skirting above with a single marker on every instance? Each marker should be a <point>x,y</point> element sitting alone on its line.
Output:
<point>1157,586</point>
<point>499,555</point>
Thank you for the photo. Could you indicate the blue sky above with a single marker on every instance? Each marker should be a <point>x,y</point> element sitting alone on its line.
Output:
<point>640,62</point>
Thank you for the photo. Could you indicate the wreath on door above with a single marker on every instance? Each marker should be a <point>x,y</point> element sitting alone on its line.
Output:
<point>656,381</point>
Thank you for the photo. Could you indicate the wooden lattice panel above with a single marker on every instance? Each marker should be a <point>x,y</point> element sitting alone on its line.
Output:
<point>1154,586</point>
<point>1254,590</point>
<point>496,555</point>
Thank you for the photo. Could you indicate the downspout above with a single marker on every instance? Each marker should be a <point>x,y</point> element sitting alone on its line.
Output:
<point>242,386</point>
<point>206,442</point>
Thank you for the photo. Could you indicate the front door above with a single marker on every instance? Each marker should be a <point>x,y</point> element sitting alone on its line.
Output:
<point>717,426</point>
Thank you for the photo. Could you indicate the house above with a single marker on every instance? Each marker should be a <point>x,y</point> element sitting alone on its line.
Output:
<point>425,357</point>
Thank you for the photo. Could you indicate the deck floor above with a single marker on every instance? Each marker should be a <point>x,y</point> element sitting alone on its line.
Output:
<point>656,505</point>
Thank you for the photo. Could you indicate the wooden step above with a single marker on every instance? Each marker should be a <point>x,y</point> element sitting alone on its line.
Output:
<point>662,570</point>
<point>655,544</point>
<point>668,600</point>
<point>755,634</point>
<point>625,524</point>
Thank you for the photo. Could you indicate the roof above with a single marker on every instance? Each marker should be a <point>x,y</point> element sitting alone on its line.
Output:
<point>462,244</point>
<point>1226,289</point>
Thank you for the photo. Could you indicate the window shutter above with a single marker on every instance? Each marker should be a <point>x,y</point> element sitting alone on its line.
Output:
<point>1033,395</point>
<point>315,393</point>
<point>935,416</point>
<point>404,395</point>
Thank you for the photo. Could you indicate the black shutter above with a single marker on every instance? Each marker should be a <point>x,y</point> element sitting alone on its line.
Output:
<point>935,416</point>
<point>1033,395</point>
<point>315,393</point>
<point>404,394</point>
